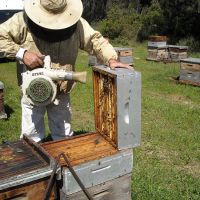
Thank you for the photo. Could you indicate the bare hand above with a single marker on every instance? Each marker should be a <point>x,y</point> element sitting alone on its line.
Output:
<point>33,60</point>
<point>116,64</point>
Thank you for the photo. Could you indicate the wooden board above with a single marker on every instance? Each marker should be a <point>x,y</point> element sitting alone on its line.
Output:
<point>80,149</point>
<point>116,189</point>
<point>190,66</point>
<point>157,38</point>
<point>127,52</point>
<point>32,191</point>
<point>186,82</point>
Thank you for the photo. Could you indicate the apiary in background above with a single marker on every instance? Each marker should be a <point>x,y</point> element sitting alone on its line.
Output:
<point>125,55</point>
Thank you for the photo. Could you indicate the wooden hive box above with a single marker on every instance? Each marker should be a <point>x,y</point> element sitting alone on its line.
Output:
<point>190,71</point>
<point>157,53</point>
<point>157,41</point>
<point>116,189</point>
<point>106,154</point>
<point>176,53</point>
<point>24,171</point>
<point>125,55</point>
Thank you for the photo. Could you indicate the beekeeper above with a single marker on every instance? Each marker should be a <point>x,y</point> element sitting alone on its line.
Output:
<point>55,28</point>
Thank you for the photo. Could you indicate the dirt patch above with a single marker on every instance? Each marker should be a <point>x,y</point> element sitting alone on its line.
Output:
<point>192,168</point>
<point>176,99</point>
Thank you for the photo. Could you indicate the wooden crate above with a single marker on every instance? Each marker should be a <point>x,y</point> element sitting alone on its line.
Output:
<point>24,171</point>
<point>116,189</point>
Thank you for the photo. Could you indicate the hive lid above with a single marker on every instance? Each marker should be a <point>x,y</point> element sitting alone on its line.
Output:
<point>191,60</point>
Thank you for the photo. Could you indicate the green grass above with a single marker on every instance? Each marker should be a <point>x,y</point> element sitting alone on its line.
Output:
<point>167,164</point>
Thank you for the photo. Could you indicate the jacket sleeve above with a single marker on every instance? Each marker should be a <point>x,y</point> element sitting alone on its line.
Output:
<point>93,42</point>
<point>12,35</point>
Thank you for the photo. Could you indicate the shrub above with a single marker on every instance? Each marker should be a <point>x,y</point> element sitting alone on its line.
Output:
<point>152,21</point>
<point>121,24</point>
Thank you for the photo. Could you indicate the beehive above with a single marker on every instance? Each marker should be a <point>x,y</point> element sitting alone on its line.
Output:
<point>190,71</point>
<point>157,53</point>
<point>107,153</point>
<point>176,53</point>
<point>125,55</point>
<point>157,41</point>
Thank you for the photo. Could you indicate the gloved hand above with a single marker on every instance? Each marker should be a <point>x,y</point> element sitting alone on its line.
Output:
<point>33,60</point>
<point>116,64</point>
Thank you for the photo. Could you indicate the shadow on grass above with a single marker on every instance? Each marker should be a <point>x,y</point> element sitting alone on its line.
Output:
<point>79,132</point>
<point>8,111</point>
<point>48,138</point>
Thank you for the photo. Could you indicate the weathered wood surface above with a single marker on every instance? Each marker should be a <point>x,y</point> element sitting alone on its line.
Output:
<point>157,54</point>
<point>15,163</point>
<point>158,38</point>
<point>188,75</point>
<point>186,82</point>
<point>31,191</point>
<point>190,66</point>
<point>105,105</point>
<point>117,189</point>
<point>80,149</point>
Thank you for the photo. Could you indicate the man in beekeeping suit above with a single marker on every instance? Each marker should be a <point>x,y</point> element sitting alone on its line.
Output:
<point>55,28</point>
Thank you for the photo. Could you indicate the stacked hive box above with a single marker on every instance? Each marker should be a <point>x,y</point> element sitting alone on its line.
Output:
<point>176,53</point>
<point>157,48</point>
<point>125,55</point>
<point>190,71</point>
<point>104,159</point>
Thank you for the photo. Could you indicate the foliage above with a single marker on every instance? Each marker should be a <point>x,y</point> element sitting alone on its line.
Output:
<point>121,24</point>
<point>181,19</point>
<point>177,19</point>
<point>152,20</point>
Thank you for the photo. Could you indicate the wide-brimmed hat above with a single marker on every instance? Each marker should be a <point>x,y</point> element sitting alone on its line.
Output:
<point>54,14</point>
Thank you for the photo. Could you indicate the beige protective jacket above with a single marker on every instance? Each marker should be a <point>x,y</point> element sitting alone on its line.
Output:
<point>15,34</point>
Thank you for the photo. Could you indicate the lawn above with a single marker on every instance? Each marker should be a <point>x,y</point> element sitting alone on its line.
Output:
<point>167,164</point>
